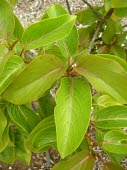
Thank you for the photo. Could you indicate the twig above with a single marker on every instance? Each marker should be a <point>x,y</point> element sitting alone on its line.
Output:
<point>96,12</point>
<point>102,21</point>
<point>68,7</point>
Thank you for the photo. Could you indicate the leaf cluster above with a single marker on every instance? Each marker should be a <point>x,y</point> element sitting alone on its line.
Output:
<point>46,100</point>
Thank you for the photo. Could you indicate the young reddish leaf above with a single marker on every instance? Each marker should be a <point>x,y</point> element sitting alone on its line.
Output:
<point>106,75</point>
<point>80,161</point>
<point>115,141</point>
<point>34,80</point>
<point>72,113</point>
<point>47,31</point>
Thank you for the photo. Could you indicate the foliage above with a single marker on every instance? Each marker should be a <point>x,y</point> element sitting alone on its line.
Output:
<point>69,58</point>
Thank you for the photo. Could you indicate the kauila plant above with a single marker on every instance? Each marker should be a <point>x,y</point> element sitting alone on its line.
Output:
<point>84,56</point>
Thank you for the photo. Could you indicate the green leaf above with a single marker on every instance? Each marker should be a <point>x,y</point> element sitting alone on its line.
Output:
<point>7,21</point>
<point>105,101</point>
<point>18,30</point>
<point>109,33</point>
<point>111,117</point>
<point>3,104</point>
<point>80,161</point>
<point>103,74</point>
<point>115,141</point>
<point>107,5</point>
<point>3,123</point>
<point>8,154</point>
<point>100,134</point>
<point>4,139</point>
<point>116,157</point>
<point>55,10</point>
<point>120,12</point>
<point>117,59</point>
<point>23,117</point>
<point>34,80</point>
<point>55,50</point>
<point>22,153</point>
<point>46,105</point>
<point>86,17</point>
<point>43,136</point>
<point>119,51</point>
<point>47,31</point>
<point>69,45</point>
<point>12,66</point>
<point>3,51</point>
<point>118,3</point>
<point>72,113</point>
<point>112,166</point>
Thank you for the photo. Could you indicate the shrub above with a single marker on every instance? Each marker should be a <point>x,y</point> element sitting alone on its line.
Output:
<point>70,58</point>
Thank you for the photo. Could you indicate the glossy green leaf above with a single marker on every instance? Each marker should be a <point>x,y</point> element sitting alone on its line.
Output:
<point>46,105</point>
<point>121,12</point>
<point>80,161</point>
<point>12,66</point>
<point>69,45</point>
<point>47,31</point>
<point>86,17</point>
<point>55,10</point>
<point>3,123</point>
<point>43,136</point>
<point>119,51</point>
<point>103,74</point>
<point>4,139</point>
<point>72,113</point>
<point>34,80</point>
<point>118,3</point>
<point>7,21</point>
<point>23,117</point>
<point>111,117</point>
<point>106,100</point>
<point>22,153</point>
<point>18,30</point>
<point>115,141</point>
